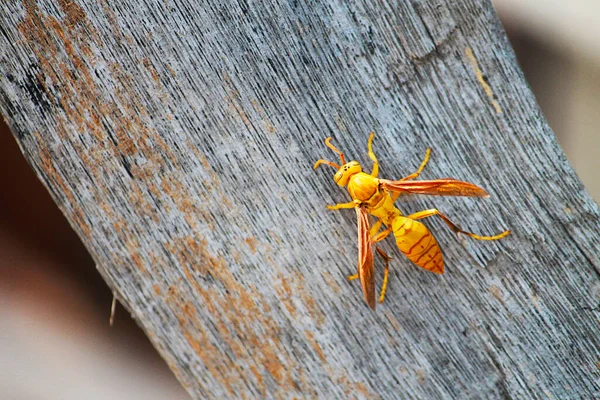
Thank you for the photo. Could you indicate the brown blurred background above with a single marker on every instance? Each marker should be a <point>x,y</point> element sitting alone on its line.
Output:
<point>55,340</point>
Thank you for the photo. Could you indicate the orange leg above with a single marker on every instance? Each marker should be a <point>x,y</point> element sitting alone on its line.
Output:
<point>375,228</point>
<point>381,235</point>
<point>338,206</point>
<point>377,237</point>
<point>414,174</point>
<point>454,227</point>
<point>386,259</point>
<point>386,273</point>
<point>375,171</point>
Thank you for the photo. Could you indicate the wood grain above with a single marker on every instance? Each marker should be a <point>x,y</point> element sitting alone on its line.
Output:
<point>178,138</point>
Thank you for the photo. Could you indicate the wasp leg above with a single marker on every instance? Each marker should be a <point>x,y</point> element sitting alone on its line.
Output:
<point>421,167</point>
<point>338,206</point>
<point>386,259</point>
<point>375,171</point>
<point>381,235</point>
<point>386,273</point>
<point>375,228</point>
<point>414,174</point>
<point>454,227</point>
<point>377,237</point>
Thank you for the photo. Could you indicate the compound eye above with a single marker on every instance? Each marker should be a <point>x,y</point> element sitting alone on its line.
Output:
<point>338,175</point>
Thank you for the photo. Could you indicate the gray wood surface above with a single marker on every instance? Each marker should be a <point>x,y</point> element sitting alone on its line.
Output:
<point>178,138</point>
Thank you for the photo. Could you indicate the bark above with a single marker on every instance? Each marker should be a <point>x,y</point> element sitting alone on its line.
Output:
<point>178,138</point>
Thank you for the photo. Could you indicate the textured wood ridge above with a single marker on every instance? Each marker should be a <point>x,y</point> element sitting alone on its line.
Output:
<point>178,139</point>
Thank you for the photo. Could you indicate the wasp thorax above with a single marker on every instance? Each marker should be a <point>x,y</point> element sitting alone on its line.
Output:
<point>346,171</point>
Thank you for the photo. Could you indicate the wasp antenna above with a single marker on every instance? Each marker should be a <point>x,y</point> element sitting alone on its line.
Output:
<point>332,147</point>
<point>330,163</point>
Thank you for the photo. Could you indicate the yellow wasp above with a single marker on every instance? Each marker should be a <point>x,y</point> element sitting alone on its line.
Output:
<point>371,195</point>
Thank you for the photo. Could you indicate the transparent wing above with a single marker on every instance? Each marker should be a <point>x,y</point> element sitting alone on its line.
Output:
<point>365,257</point>
<point>437,187</point>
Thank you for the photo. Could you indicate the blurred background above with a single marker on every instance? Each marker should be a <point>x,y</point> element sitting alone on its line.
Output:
<point>557,45</point>
<point>54,306</point>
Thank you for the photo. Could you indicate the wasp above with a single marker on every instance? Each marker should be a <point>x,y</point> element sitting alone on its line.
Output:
<point>373,196</point>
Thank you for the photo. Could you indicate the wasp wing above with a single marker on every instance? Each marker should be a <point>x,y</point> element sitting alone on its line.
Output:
<point>366,271</point>
<point>437,187</point>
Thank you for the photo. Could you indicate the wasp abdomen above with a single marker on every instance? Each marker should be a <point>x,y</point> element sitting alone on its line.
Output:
<point>418,244</point>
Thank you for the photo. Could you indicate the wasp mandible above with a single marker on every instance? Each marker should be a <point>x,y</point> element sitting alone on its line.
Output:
<point>371,195</point>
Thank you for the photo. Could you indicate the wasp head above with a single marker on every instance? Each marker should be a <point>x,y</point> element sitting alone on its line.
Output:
<point>342,176</point>
<point>344,170</point>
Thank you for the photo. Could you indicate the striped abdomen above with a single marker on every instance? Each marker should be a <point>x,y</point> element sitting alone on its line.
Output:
<point>418,244</point>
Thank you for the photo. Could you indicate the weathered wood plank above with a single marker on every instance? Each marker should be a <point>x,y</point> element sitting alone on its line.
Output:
<point>178,139</point>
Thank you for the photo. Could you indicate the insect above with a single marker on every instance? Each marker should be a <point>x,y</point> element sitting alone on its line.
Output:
<point>374,196</point>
